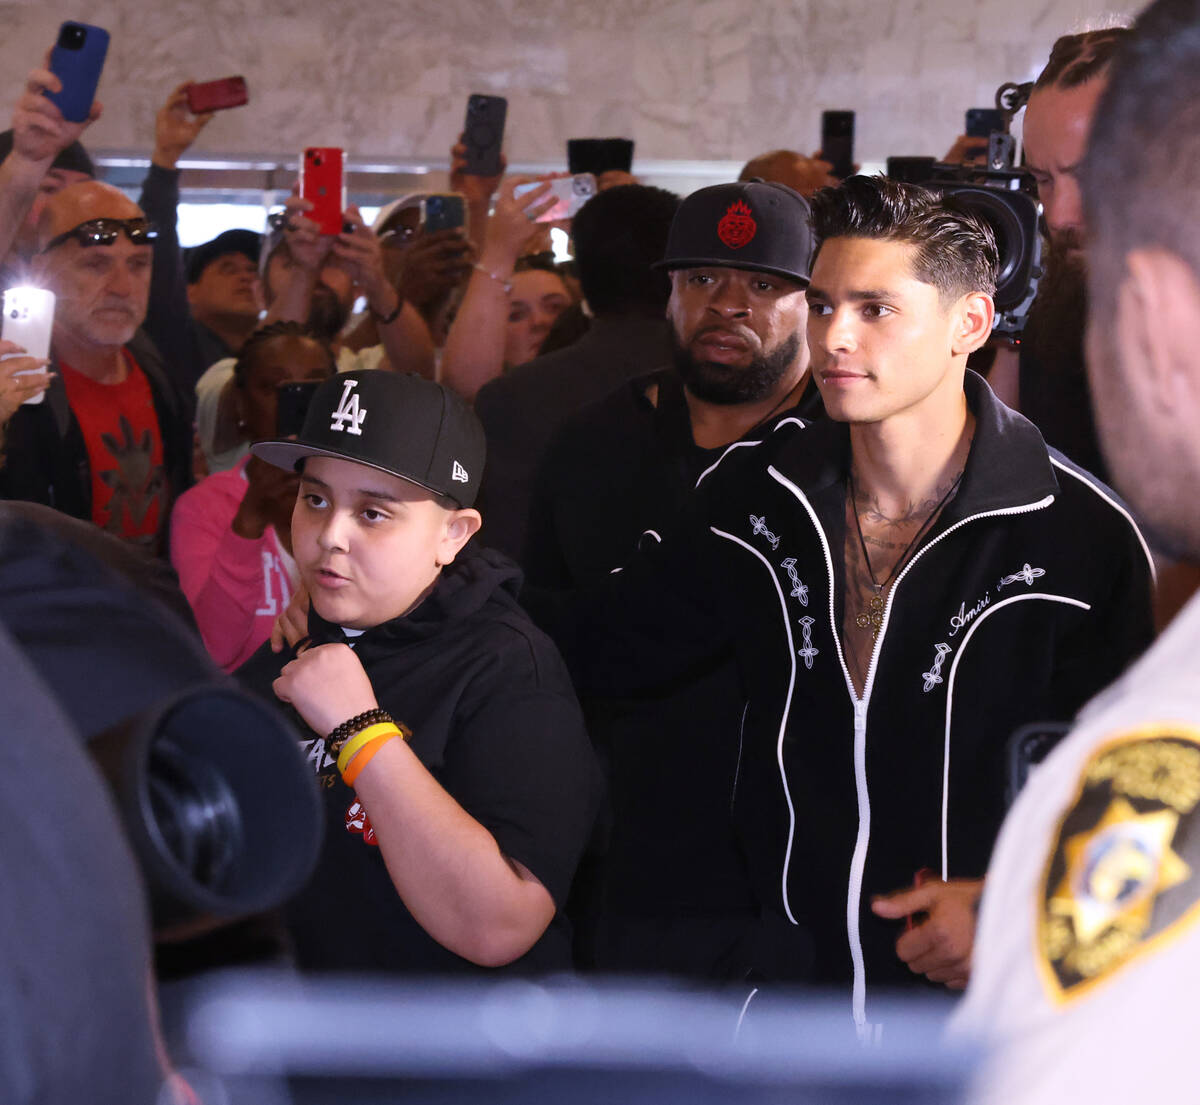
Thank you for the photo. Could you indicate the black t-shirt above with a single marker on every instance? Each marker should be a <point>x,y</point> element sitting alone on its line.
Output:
<point>495,721</point>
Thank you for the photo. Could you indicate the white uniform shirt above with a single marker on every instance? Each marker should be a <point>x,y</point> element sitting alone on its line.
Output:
<point>1086,971</point>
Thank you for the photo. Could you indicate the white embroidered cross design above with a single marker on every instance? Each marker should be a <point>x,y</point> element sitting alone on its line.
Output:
<point>1026,575</point>
<point>760,527</point>
<point>799,590</point>
<point>933,676</point>
<point>808,652</point>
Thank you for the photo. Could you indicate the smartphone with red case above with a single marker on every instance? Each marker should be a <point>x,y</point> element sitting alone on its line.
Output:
<point>322,181</point>
<point>217,95</point>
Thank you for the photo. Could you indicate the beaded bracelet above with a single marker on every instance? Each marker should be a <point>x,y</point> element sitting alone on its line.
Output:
<point>356,724</point>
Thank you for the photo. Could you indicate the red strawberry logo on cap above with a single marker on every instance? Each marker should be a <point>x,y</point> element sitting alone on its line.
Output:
<point>737,226</point>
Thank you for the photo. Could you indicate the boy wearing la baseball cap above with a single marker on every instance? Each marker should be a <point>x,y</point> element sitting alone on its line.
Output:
<point>459,783</point>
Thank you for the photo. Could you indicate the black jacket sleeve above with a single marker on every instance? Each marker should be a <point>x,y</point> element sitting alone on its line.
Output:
<point>169,318</point>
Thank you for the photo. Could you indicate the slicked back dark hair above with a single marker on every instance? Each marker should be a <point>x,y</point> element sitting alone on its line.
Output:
<point>955,249</point>
<point>255,342</point>
<point>1141,174</point>
<point>618,234</point>
<point>1076,59</point>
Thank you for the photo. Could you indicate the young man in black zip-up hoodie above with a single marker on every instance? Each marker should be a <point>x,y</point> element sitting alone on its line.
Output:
<point>453,840</point>
<point>902,586</point>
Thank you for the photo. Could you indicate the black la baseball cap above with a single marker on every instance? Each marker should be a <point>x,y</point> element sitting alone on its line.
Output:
<point>758,225</point>
<point>402,424</point>
<point>198,258</point>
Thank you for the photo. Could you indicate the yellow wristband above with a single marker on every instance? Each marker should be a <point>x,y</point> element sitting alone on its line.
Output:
<point>360,739</point>
<point>351,774</point>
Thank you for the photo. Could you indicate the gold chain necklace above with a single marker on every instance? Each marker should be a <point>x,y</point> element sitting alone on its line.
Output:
<point>872,617</point>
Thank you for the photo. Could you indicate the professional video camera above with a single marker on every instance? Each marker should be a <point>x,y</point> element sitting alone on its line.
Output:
<point>1005,197</point>
<point>219,807</point>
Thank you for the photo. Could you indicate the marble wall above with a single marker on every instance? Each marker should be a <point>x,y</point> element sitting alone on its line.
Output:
<point>699,80</point>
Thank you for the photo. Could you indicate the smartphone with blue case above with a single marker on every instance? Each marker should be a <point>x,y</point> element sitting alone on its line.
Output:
<point>77,60</point>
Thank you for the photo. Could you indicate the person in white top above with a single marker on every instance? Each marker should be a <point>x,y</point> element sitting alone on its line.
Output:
<point>1087,958</point>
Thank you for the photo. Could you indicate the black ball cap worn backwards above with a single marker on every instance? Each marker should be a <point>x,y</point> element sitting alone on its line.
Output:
<point>757,225</point>
<point>405,425</point>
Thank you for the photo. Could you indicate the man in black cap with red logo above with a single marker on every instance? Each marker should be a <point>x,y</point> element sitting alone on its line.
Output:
<point>903,585</point>
<point>672,894</point>
<point>458,780</point>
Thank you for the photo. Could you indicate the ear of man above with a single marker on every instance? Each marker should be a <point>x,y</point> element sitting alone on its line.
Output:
<point>461,526</point>
<point>1158,328</point>
<point>972,318</point>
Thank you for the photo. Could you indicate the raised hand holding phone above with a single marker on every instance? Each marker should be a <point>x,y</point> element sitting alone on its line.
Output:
<point>23,379</point>
<point>176,128</point>
<point>322,183</point>
<point>40,133</point>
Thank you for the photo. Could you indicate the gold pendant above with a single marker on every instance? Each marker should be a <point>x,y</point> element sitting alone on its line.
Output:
<point>872,617</point>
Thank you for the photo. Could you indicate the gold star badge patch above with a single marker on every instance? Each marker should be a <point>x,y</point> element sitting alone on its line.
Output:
<point>1124,872</point>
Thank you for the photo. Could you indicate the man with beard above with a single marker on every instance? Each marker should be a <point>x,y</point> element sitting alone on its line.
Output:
<point>903,584</point>
<point>1052,381</point>
<point>110,443</point>
<point>1086,963</point>
<point>672,894</point>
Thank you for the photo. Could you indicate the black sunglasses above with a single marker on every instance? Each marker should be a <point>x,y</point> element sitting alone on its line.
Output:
<point>103,232</point>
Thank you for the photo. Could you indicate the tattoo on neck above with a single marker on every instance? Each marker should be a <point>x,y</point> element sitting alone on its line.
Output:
<point>870,511</point>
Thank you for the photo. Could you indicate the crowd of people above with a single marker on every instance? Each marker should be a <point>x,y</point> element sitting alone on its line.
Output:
<point>680,610</point>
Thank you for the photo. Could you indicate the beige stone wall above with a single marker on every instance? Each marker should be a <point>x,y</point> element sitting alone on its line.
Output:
<point>704,80</point>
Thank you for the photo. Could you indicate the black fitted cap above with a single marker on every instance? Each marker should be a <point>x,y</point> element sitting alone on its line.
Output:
<point>198,258</point>
<point>74,158</point>
<point>757,225</point>
<point>405,425</point>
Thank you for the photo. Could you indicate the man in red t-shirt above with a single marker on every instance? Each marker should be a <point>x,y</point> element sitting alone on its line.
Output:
<point>105,445</point>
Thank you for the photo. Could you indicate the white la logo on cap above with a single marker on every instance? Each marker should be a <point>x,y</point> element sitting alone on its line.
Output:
<point>349,411</point>
<point>459,473</point>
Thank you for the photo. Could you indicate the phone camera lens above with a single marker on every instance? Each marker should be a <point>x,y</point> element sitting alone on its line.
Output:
<point>72,37</point>
<point>318,160</point>
<point>14,313</point>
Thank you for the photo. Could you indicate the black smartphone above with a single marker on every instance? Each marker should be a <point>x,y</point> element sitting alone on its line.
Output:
<point>981,122</point>
<point>599,155</point>
<point>443,211</point>
<point>292,405</point>
<point>483,133</point>
<point>837,141</point>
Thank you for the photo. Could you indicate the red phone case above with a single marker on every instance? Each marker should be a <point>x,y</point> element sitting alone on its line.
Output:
<point>321,181</point>
<point>217,95</point>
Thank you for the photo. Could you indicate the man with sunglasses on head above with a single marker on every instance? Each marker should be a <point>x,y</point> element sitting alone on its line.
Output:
<point>111,442</point>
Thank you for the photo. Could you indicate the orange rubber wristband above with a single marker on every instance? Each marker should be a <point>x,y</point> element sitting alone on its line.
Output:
<point>364,757</point>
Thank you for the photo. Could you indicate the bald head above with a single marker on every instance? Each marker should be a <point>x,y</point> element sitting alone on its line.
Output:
<point>805,174</point>
<point>102,287</point>
<point>79,203</point>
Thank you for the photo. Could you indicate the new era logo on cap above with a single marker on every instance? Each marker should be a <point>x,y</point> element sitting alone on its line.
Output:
<point>459,473</point>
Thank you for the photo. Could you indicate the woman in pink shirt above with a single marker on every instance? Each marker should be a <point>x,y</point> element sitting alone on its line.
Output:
<point>231,533</point>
